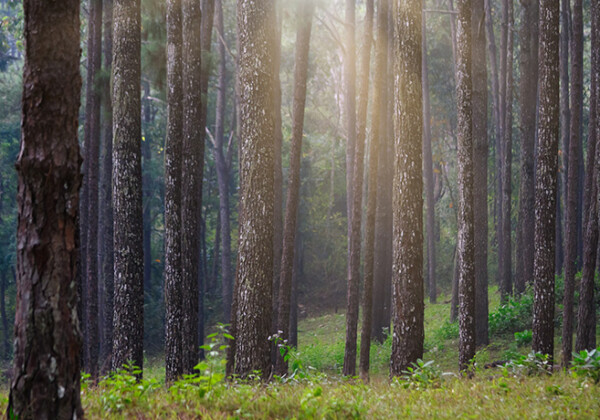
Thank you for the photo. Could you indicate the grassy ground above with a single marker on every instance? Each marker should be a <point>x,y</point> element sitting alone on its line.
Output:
<point>318,391</point>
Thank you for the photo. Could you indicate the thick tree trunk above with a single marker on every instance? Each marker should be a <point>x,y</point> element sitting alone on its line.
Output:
<point>252,302</point>
<point>546,174</point>
<point>173,181</point>
<point>305,15</point>
<point>407,280</point>
<point>586,316</point>
<point>46,367</point>
<point>92,154</point>
<point>528,104</point>
<point>223,171</point>
<point>378,125</point>
<point>105,224</point>
<point>357,183</point>
<point>128,335</point>
<point>192,170</point>
<point>573,180</point>
<point>480,170</point>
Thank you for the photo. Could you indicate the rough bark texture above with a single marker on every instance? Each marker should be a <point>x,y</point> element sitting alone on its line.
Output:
<point>92,152</point>
<point>305,15</point>
<point>480,170</point>
<point>106,211</point>
<point>466,230</point>
<point>223,171</point>
<point>377,118</point>
<point>173,270</point>
<point>382,270</point>
<point>255,256</point>
<point>127,187</point>
<point>428,172</point>
<point>546,174</point>
<point>407,272</point>
<point>357,183</point>
<point>586,316</point>
<point>528,105</point>
<point>46,367</point>
<point>147,187</point>
<point>192,169</point>
<point>573,180</point>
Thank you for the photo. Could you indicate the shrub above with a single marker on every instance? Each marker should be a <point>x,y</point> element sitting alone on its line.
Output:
<point>534,364</point>
<point>515,315</point>
<point>586,364</point>
<point>420,375</point>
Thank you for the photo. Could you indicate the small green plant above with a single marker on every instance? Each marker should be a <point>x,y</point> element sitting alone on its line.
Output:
<point>586,364</point>
<point>515,315</point>
<point>523,338</point>
<point>534,364</point>
<point>124,388</point>
<point>420,375</point>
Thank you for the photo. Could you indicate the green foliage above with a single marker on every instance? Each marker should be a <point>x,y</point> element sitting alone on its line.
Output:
<point>123,390</point>
<point>524,337</point>
<point>420,375</point>
<point>586,364</point>
<point>515,315</point>
<point>533,364</point>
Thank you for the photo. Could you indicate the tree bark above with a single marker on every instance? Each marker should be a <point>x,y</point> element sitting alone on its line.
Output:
<point>573,180</point>
<point>173,182</point>
<point>586,316</point>
<point>546,174</point>
<point>377,126</point>
<point>128,336</point>
<point>350,110</point>
<point>407,280</point>
<point>147,188</point>
<point>46,367</point>
<point>480,170</point>
<point>528,105</point>
<point>305,16</point>
<point>357,183</point>
<point>254,280</point>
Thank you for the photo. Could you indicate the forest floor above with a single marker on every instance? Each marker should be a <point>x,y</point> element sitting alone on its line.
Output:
<point>317,389</point>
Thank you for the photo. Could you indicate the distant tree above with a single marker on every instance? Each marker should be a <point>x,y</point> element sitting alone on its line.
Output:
<point>407,274</point>
<point>305,15</point>
<point>350,106</point>
<point>573,180</point>
<point>173,157</point>
<point>586,316</point>
<point>546,175</point>
<point>128,333</point>
<point>480,170</point>
<point>252,301</point>
<point>46,367</point>
<point>357,194</point>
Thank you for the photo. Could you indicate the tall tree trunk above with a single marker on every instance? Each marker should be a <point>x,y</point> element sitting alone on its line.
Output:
<point>382,270</point>
<point>528,104</point>
<point>305,16</point>
<point>46,366</point>
<point>254,280</point>
<point>480,170</point>
<point>173,181</point>
<point>147,189</point>
<point>407,280</point>
<point>106,210</point>
<point>357,183</point>
<point>586,316</point>
<point>92,152</point>
<point>546,174</point>
<point>573,180</point>
<point>296,276</point>
<point>377,126</point>
<point>223,171</point>
<point>350,111</point>
<point>128,335</point>
<point>192,170</point>
<point>428,171</point>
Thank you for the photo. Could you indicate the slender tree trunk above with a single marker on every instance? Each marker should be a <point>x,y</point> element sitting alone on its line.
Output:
<point>480,170</point>
<point>128,334</point>
<point>586,316</point>
<point>223,171</point>
<point>407,280</point>
<point>350,111</point>
<point>573,180</point>
<point>147,189</point>
<point>528,101</point>
<point>173,158</point>
<point>305,15</point>
<point>46,367</point>
<point>296,276</point>
<point>356,219</point>
<point>455,274</point>
<point>546,174</point>
<point>252,321</point>
<point>6,340</point>
<point>106,210</point>
<point>428,172</point>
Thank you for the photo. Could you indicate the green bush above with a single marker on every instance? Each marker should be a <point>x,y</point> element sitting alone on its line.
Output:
<point>534,364</point>
<point>524,337</point>
<point>586,364</point>
<point>515,315</point>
